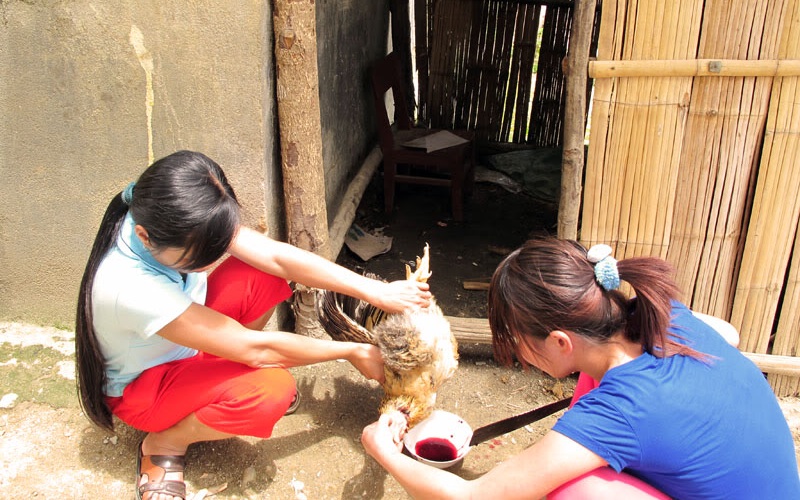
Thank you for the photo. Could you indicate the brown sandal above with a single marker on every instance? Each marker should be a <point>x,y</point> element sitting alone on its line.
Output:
<point>294,404</point>
<point>156,468</point>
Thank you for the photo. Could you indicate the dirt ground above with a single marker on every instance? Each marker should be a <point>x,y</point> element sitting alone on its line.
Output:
<point>49,450</point>
<point>496,221</point>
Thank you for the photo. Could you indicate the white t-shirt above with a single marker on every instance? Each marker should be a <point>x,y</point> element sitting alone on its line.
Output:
<point>133,297</point>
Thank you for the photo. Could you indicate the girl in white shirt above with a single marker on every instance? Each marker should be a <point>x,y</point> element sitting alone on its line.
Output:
<point>183,356</point>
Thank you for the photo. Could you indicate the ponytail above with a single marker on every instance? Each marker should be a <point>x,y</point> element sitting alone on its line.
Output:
<point>89,360</point>
<point>650,310</point>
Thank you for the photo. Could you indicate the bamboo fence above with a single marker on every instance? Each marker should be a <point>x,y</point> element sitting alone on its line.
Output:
<point>767,289</point>
<point>476,60</point>
<point>694,135</point>
<point>692,153</point>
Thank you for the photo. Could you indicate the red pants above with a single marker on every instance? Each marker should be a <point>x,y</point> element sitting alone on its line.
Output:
<point>585,384</point>
<point>227,396</point>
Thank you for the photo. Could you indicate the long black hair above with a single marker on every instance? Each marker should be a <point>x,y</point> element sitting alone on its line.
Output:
<point>183,201</point>
<point>549,284</point>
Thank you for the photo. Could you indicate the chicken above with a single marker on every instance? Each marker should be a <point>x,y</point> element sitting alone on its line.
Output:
<point>419,350</point>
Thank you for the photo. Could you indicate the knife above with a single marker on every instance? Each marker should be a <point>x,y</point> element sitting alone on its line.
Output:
<point>509,424</point>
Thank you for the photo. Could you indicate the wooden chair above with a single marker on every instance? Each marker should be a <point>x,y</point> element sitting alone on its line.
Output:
<point>452,167</point>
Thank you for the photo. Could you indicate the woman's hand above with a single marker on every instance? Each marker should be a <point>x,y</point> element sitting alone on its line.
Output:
<point>385,436</point>
<point>398,296</point>
<point>368,360</point>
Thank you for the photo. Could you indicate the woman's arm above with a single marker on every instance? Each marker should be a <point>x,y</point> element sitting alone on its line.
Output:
<point>550,462</point>
<point>301,266</point>
<point>206,330</point>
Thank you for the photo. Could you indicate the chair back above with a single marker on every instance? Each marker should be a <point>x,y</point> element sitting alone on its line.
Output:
<point>386,77</point>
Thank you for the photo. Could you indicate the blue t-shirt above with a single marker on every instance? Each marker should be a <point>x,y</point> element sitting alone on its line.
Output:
<point>693,429</point>
<point>133,297</point>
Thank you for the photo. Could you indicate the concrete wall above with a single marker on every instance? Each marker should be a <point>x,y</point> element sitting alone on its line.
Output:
<point>351,36</point>
<point>92,92</point>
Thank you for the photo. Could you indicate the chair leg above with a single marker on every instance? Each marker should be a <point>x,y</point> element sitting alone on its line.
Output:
<point>389,172</point>
<point>469,182</point>
<point>457,194</point>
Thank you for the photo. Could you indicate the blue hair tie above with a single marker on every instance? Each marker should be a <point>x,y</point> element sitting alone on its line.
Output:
<point>127,193</point>
<point>605,266</point>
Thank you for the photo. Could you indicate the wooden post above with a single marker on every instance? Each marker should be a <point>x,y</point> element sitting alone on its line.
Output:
<point>299,124</point>
<point>575,118</point>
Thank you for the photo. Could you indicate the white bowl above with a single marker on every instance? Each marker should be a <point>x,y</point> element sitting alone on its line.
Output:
<point>444,431</point>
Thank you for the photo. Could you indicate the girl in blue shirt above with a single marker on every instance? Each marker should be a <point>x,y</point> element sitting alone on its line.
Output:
<point>678,411</point>
<point>180,355</point>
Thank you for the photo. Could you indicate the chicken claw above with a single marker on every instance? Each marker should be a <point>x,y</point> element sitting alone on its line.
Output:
<point>398,425</point>
<point>422,272</point>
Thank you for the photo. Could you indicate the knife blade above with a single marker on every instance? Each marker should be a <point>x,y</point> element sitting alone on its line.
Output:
<point>509,424</point>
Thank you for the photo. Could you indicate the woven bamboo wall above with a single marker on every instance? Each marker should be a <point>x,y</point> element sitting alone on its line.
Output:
<point>476,59</point>
<point>767,290</point>
<point>700,169</point>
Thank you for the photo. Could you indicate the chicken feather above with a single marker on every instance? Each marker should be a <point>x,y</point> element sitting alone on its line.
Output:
<point>419,350</point>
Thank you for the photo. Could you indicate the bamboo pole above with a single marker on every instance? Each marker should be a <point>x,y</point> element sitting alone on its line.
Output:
<point>775,209</point>
<point>632,95</point>
<point>684,45</point>
<point>603,109</point>
<point>775,365</point>
<point>693,68</point>
<point>477,331</point>
<point>472,74</point>
<point>738,119</point>
<point>350,201</point>
<point>787,335</point>
<point>575,119</point>
<point>489,73</point>
<point>751,312</point>
<point>525,48</point>
<point>422,53</point>
<point>515,71</point>
<point>661,167</point>
<point>729,21</point>
<point>631,196</point>
<point>500,36</point>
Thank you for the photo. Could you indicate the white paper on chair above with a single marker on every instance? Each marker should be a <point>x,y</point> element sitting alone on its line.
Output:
<point>436,141</point>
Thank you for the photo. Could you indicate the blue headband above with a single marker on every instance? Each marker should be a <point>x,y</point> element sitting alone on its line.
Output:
<point>605,266</point>
<point>127,193</point>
